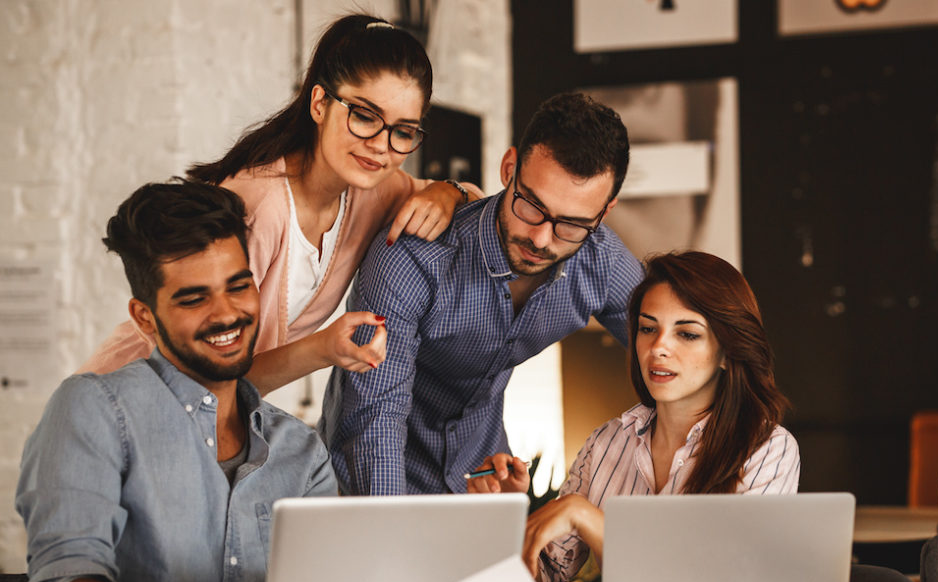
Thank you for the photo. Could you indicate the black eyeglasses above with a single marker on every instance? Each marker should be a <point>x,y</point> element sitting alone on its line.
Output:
<point>530,213</point>
<point>365,124</point>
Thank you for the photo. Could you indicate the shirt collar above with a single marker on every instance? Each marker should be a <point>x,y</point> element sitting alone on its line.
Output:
<point>644,418</point>
<point>191,394</point>
<point>493,255</point>
<point>496,263</point>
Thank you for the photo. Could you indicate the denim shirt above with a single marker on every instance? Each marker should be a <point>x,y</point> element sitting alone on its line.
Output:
<point>433,410</point>
<point>121,480</point>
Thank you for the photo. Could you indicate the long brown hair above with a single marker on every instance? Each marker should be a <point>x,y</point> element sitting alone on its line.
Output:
<point>355,48</point>
<point>748,404</point>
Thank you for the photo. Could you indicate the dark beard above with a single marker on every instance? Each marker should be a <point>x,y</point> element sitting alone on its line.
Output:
<point>525,268</point>
<point>204,367</point>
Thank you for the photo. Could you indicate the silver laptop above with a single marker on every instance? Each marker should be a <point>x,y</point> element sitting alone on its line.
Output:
<point>413,538</point>
<point>715,538</point>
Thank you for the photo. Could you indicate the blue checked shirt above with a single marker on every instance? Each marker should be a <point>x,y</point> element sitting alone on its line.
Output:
<point>433,410</point>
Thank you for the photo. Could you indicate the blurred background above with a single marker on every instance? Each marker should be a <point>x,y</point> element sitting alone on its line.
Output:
<point>798,139</point>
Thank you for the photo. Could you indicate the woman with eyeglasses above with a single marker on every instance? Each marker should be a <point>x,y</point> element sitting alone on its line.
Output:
<point>708,421</point>
<point>320,179</point>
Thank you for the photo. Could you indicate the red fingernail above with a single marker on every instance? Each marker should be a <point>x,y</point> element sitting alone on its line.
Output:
<point>389,242</point>
<point>380,317</point>
<point>373,365</point>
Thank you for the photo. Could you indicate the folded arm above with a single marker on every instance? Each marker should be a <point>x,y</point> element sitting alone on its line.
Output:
<point>574,521</point>
<point>566,515</point>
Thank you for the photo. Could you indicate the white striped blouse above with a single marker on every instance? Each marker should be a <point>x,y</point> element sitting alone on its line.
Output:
<point>616,460</point>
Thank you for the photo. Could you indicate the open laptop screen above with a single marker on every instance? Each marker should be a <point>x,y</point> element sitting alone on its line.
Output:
<point>413,538</point>
<point>709,538</point>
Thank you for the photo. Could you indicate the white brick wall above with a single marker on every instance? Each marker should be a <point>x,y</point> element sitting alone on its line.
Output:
<point>100,96</point>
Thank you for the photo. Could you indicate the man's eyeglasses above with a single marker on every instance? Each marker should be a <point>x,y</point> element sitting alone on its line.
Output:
<point>530,213</point>
<point>365,124</point>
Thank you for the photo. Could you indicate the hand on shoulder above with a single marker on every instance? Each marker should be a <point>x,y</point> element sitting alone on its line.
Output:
<point>428,212</point>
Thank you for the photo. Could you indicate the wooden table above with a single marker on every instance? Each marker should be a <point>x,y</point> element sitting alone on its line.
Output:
<point>890,523</point>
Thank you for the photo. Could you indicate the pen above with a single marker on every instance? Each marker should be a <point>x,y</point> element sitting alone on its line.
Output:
<point>485,472</point>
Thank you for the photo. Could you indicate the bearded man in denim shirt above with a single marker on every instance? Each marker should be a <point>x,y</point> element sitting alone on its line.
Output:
<point>166,469</point>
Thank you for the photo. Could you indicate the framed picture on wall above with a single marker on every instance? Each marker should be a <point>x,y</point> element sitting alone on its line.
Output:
<point>613,25</point>
<point>797,17</point>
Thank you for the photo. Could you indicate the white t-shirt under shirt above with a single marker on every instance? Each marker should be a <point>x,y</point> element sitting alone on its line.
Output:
<point>306,266</point>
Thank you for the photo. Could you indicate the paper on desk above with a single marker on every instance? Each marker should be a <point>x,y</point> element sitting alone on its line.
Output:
<point>508,570</point>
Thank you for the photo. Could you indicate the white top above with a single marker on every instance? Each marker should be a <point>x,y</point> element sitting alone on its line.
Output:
<point>306,266</point>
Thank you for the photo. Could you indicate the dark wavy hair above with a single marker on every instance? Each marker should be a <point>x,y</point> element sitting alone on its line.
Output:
<point>585,137</point>
<point>748,404</point>
<point>353,49</point>
<point>159,223</point>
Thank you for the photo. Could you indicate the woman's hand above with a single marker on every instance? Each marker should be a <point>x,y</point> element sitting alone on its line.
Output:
<point>332,346</point>
<point>557,518</point>
<point>514,479</point>
<point>338,349</point>
<point>427,213</point>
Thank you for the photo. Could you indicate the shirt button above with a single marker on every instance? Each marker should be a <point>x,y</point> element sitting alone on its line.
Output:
<point>452,429</point>
<point>210,442</point>
<point>188,408</point>
<point>680,462</point>
<point>507,295</point>
<point>207,400</point>
<point>233,561</point>
<point>509,342</point>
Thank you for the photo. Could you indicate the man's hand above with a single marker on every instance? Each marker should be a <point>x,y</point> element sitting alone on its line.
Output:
<point>506,479</point>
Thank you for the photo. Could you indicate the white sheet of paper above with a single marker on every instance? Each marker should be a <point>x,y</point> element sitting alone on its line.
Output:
<point>27,324</point>
<point>616,25</point>
<point>813,17</point>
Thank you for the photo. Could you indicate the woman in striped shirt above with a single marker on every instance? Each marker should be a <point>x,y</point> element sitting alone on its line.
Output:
<point>707,422</point>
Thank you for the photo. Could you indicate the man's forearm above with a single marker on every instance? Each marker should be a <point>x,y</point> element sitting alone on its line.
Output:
<point>376,462</point>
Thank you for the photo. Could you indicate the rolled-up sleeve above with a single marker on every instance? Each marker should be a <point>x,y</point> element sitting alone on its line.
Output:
<point>70,484</point>
<point>564,556</point>
<point>376,404</point>
<point>322,481</point>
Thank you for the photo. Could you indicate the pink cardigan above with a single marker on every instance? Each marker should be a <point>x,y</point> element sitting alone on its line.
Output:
<point>268,216</point>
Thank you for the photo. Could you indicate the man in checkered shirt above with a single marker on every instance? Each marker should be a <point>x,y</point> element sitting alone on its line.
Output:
<point>513,274</point>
